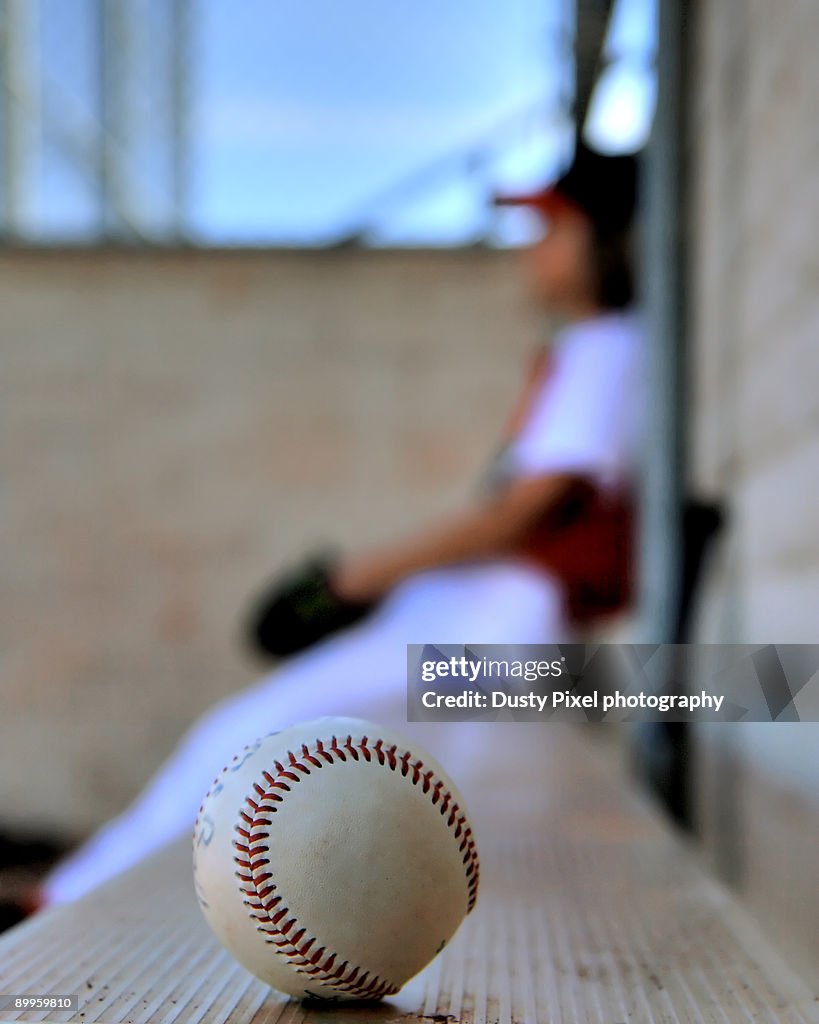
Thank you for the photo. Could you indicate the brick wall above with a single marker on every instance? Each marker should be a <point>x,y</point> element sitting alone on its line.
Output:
<point>174,428</point>
<point>755,428</point>
<point>755,273</point>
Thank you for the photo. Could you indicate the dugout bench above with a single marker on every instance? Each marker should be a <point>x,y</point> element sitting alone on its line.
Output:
<point>591,911</point>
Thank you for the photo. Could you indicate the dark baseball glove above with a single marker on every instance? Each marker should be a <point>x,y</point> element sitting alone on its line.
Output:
<point>299,609</point>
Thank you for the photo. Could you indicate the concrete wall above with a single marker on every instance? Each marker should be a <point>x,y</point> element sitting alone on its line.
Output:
<point>175,427</point>
<point>755,428</point>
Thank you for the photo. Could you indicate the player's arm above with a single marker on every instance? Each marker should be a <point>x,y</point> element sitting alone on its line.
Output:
<point>490,529</point>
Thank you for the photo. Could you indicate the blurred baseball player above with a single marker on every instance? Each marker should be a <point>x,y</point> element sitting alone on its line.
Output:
<point>544,547</point>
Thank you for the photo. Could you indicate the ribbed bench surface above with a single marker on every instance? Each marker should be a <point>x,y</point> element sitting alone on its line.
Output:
<point>591,912</point>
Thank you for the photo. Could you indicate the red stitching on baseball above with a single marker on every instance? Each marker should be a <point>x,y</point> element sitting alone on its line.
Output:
<point>260,894</point>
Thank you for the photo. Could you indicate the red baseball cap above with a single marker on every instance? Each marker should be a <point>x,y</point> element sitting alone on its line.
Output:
<point>603,187</point>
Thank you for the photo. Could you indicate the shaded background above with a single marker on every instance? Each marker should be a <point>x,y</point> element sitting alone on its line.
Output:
<point>182,415</point>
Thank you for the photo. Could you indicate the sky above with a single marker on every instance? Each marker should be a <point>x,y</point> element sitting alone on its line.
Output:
<point>314,120</point>
<point>322,116</point>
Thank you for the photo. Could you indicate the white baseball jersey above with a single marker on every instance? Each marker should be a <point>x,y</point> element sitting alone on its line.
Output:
<point>585,413</point>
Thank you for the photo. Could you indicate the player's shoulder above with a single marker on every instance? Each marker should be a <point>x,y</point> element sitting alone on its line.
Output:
<point>611,337</point>
<point>617,327</point>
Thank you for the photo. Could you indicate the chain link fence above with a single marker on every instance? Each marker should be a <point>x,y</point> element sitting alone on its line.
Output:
<point>94,114</point>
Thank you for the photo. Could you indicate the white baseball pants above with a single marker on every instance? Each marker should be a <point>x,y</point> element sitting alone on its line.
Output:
<point>360,673</point>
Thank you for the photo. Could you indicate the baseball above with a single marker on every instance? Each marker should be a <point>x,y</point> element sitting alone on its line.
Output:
<point>334,859</point>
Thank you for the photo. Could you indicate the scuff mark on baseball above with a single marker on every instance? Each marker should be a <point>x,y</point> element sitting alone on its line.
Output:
<point>334,859</point>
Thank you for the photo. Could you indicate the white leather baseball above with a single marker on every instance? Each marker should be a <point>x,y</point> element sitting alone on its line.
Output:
<point>334,859</point>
